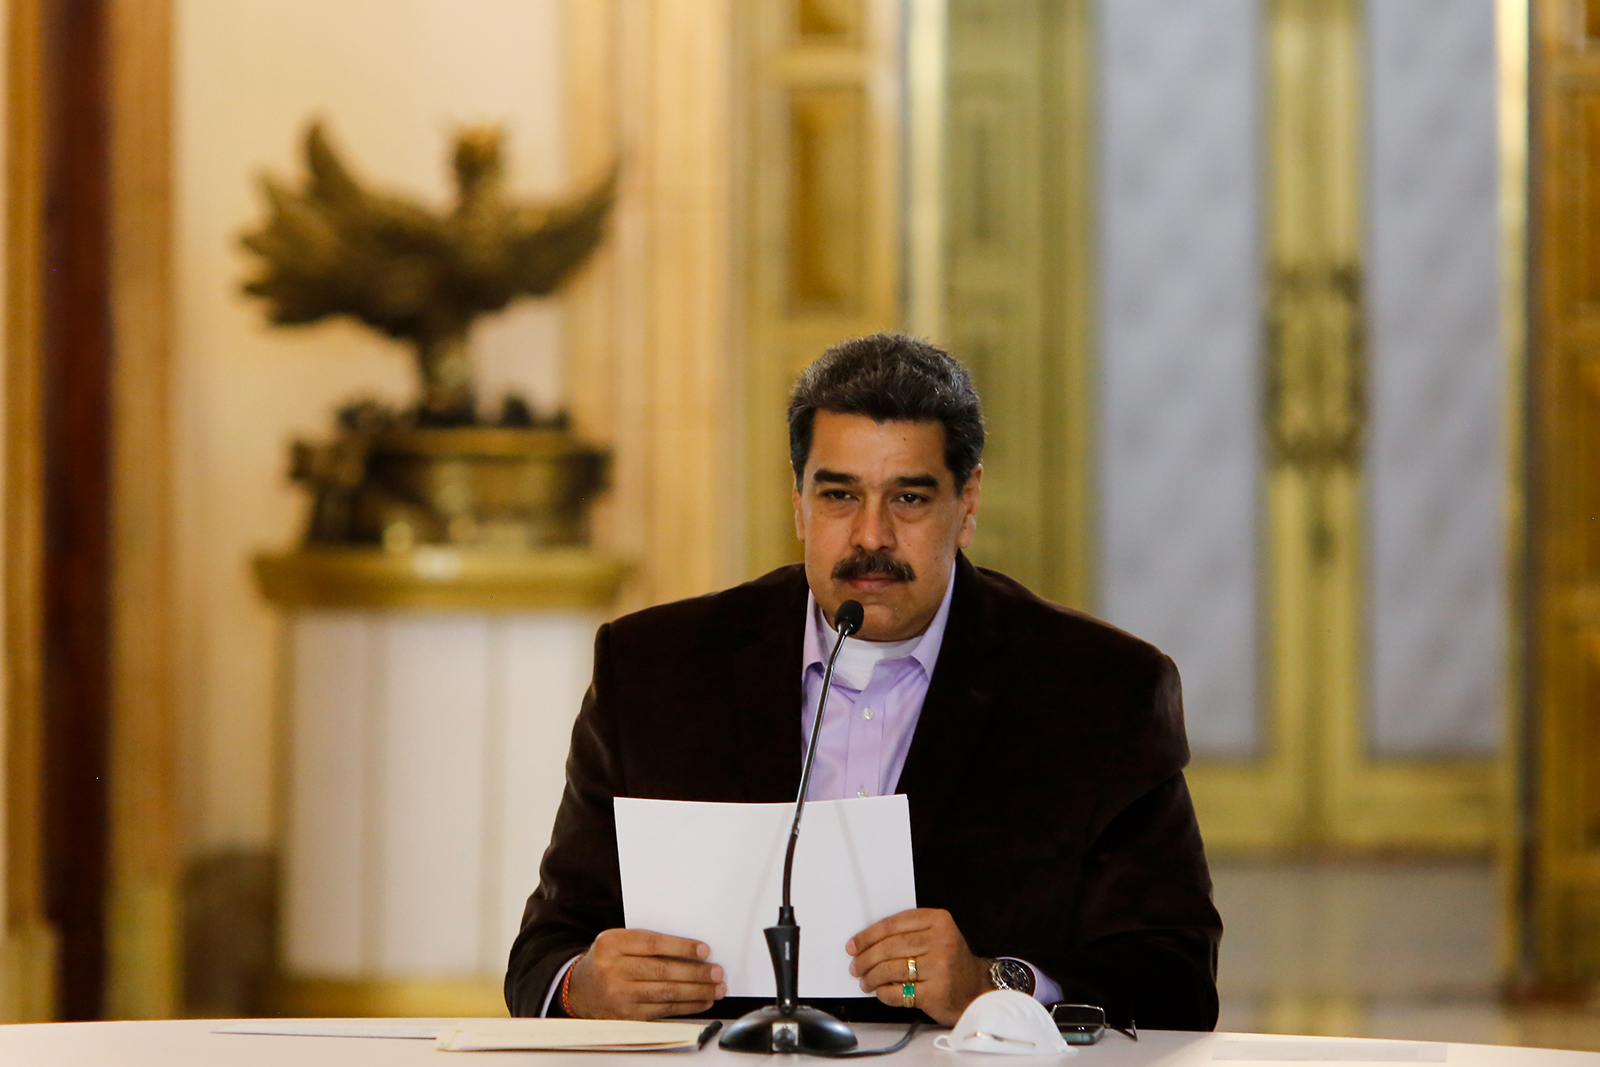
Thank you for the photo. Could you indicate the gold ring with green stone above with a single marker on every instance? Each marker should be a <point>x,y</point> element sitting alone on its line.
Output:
<point>908,993</point>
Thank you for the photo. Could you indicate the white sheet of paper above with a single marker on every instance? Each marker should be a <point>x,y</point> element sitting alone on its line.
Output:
<point>714,872</point>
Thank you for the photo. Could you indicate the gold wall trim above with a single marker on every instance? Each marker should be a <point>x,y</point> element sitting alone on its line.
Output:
<point>28,970</point>
<point>28,973</point>
<point>142,975</point>
<point>1511,61</point>
<point>439,578</point>
<point>442,999</point>
<point>651,322</point>
<point>1561,791</point>
<point>1314,402</point>
<point>144,941</point>
<point>927,44</point>
<point>1016,280</point>
<point>819,168</point>
<point>597,367</point>
<point>143,980</point>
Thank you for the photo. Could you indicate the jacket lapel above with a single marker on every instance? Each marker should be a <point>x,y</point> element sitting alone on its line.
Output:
<point>766,699</point>
<point>952,726</point>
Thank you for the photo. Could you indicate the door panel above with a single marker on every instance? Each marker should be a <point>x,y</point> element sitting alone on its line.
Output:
<point>1179,329</point>
<point>1436,464</point>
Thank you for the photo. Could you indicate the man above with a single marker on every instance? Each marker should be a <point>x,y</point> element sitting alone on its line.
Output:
<point>1041,751</point>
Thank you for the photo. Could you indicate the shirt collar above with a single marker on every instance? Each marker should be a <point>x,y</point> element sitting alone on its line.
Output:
<point>819,636</point>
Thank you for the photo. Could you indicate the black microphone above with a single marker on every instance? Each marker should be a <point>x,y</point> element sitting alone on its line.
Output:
<point>789,1026</point>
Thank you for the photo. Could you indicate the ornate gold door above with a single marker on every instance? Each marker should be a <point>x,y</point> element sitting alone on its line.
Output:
<point>1204,400</point>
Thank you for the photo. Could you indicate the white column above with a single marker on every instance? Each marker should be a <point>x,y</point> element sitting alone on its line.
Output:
<point>427,754</point>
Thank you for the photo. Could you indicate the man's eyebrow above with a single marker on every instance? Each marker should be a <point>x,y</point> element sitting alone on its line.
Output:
<point>905,481</point>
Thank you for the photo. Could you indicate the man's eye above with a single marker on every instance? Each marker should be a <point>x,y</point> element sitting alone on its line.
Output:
<point>835,494</point>
<point>913,498</point>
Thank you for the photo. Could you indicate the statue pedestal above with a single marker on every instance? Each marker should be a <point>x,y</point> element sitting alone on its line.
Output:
<point>431,701</point>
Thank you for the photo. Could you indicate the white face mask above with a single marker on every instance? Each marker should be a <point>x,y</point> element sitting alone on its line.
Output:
<point>1007,1022</point>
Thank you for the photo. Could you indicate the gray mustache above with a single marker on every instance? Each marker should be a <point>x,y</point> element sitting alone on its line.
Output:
<point>873,565</point>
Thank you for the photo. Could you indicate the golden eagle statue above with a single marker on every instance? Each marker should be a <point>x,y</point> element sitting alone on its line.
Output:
<point>336,247</point>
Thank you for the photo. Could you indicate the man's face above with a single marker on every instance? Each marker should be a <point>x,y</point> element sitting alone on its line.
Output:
<point>881,520</point>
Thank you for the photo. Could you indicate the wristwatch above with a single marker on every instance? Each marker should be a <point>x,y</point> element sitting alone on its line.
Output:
<point>1011,974</point>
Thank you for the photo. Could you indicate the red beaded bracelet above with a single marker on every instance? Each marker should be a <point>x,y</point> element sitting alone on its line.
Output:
<point>566,986</point>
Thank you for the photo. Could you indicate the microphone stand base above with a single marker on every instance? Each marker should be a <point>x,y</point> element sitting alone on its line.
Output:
<point>804,1029</point>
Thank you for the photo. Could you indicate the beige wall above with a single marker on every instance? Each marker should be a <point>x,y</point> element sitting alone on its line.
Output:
<point>393,78</point>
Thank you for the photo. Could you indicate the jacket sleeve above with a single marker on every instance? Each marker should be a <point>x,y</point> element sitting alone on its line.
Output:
<point>1144,936</point>
<point>580,887</point>
<point>1150,931</point>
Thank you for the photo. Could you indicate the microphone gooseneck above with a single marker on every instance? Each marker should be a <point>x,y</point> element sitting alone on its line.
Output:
<point>789,1026</point>
<point>847,621</point>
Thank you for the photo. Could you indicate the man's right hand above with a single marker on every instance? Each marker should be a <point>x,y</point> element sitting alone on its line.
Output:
<point>640,974</point>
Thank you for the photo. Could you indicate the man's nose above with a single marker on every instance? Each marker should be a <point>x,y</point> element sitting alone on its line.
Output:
<point>874,528</point>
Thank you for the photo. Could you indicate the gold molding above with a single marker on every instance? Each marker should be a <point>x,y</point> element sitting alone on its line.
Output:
<point>927,44</point>
<point>142,914</point>
<point>142,976</point>
<point>1560,870</point>
<point>439,578</point>
<point>28,973</point>
<point>27,951</point>
<point>597,367</point>
<point>1016,277</point>
<point>1315,407</point>
<point>1512,43</point>
<point>651,321</point>
<point>369,999</point>
<point>818,150</point>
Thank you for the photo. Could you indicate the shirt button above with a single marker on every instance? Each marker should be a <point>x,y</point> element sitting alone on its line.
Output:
<point>867,714</point>
<point>861,792</point>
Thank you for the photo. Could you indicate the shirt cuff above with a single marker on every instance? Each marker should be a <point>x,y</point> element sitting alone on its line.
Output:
<point>555,986</point>
<point>1046,990</point>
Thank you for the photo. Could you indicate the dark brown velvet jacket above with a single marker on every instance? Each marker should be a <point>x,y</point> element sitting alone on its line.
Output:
<point>1049,812</point>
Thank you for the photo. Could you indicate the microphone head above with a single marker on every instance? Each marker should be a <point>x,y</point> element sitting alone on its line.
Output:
<point>848,619</point>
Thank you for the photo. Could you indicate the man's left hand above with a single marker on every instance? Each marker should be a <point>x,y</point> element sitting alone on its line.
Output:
<point>949,976</point>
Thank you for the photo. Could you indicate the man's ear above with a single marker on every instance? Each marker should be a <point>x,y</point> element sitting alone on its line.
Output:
<point>971,494</point>
<point>799,518</point>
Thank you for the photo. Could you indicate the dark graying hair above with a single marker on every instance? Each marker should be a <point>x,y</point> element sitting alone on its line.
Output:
<point>890,378</point>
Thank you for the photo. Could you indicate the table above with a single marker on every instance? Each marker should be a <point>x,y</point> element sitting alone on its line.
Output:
<point>190,1041</point>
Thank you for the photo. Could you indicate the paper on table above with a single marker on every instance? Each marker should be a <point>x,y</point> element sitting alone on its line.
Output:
<point>714,872</point>
<point>598,1035</point>
<point>1332,1050</point>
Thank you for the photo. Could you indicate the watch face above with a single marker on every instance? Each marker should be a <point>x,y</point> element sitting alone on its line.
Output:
<point>1010,974</point>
